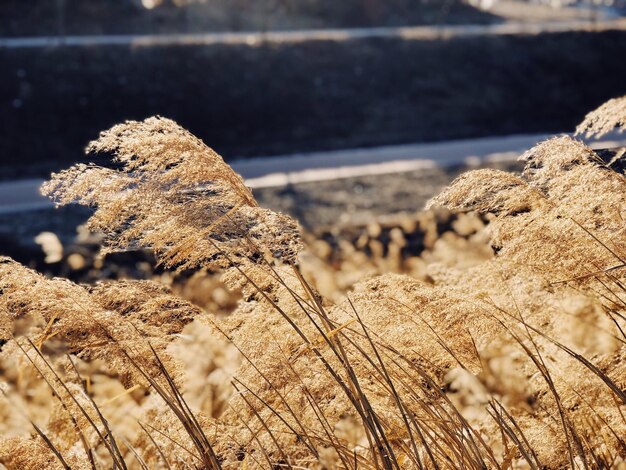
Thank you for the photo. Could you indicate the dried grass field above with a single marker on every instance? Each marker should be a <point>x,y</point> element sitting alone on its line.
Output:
<point>485,332</point>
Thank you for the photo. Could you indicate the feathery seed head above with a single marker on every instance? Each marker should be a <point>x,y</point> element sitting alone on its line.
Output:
<point>168,191</point>
<point>604,119</point>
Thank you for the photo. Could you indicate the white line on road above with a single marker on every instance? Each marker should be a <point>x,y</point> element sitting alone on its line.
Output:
<point>442,153</point>
<point>263,172</point>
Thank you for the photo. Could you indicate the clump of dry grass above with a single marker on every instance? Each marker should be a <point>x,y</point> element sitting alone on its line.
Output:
<point>67,345</point>
<point>515,360</point>
<point>98,322</point>
<point>562,218</point>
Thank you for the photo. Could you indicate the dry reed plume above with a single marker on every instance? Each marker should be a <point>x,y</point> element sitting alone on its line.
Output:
<point>187,204</point>
<point>514,359</point>
<point>603,120</point>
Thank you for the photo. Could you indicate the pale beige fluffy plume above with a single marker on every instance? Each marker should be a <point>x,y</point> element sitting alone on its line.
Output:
<point>605,119</point>
<point>168,191</point>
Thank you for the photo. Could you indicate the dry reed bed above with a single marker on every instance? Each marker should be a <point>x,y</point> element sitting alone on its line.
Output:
<point>513,360</point>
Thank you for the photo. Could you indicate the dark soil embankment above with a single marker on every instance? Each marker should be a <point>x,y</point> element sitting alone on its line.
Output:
<point>284,97</point>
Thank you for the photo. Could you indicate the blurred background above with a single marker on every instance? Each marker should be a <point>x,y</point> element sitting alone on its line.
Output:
<point>279,85</point>
<point>336,111</point>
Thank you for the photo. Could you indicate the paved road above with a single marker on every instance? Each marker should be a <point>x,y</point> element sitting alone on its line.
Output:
<point>23,195</point>
<point>255,38</point>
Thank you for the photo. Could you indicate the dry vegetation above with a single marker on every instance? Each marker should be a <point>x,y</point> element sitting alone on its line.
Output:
<point>501,344</point>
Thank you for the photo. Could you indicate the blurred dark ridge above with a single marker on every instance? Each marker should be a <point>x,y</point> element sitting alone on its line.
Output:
<point>93,17</point>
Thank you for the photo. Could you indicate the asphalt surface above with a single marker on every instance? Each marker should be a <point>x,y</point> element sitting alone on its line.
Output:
<point>284,171</point>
